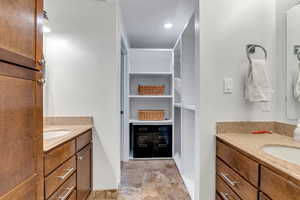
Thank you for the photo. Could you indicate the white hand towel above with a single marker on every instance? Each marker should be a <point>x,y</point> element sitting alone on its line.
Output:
<point>258,85</point>
<point>297,87</point>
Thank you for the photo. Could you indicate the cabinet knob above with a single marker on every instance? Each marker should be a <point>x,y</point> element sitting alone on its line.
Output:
<point>80,157</point>
<point>42,62</point>
<point>41,81</point>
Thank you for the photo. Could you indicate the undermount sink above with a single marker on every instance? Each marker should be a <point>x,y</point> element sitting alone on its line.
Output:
<point>290,154</point>
<point>53,134</point>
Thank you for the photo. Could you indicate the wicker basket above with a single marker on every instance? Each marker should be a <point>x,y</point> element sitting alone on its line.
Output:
<point>151,115</point>
<point>151,89</point>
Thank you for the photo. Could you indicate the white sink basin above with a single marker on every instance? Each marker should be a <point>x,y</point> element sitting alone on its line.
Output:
<point>290,154</point>
<point>53,134</point>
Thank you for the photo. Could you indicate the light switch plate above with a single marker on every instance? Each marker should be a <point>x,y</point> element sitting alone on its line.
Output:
<point>228,85</point>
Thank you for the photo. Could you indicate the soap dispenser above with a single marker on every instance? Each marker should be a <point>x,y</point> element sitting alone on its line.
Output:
<point>297,132</point>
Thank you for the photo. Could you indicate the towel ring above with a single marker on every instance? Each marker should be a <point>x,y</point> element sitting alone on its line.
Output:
<point>251,50</point>
<point>298,56</point>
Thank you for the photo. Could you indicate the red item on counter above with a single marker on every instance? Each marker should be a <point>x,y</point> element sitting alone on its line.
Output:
<point>262,132</point>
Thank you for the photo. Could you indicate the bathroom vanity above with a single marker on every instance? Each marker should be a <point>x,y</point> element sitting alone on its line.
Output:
<point>68,162</point>
<point>246,170</point>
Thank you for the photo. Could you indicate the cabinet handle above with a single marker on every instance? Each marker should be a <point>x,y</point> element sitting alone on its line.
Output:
<point>41,81</point>
<point>69,171</point>
<point>80,157</point>
<point>225,177</point>
<point>225,195</point>
<point>65,196</point>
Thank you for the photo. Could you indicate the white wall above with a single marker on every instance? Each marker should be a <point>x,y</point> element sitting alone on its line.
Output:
<point>281,7</point>
<point>225,29</point>
<point>83,58</point>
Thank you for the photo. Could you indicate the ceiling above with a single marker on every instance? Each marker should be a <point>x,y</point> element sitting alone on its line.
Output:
<point>144,21</point>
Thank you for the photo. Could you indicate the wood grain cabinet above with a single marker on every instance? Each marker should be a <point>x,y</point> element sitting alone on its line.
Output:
<point>21,143</point>
<point>239,177</point>
<point>278,187</point>
<point>84,172</point>
<point>68,169</point>
<point>262,196</point>
<point>21,108</point>
<point>20,33</point>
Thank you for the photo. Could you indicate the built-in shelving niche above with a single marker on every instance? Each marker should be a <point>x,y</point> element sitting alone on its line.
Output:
<point>150,67</point>
<point>185,94</point>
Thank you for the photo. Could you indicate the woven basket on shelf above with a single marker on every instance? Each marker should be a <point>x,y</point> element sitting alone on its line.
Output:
<point>151,89</point>
<point>151,115</point>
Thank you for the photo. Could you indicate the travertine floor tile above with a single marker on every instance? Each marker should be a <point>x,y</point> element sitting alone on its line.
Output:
<point>151,180</point>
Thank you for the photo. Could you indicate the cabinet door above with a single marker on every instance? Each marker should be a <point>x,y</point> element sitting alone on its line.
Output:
<point>21,143</point>
<point>278,187</point>
<point>21,30</point>
<point>84,173</point>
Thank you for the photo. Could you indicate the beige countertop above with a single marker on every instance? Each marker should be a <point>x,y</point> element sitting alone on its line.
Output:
<point>75,130</point>
<point>251,145</point>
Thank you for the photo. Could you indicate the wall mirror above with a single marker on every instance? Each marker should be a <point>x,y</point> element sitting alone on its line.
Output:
<point>293,62</point>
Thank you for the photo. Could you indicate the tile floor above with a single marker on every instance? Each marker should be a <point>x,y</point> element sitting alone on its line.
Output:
<point>151,180</point>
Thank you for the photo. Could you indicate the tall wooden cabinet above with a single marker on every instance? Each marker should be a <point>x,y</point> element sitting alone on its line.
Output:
<point>21,117</point>
<point>20,33</point>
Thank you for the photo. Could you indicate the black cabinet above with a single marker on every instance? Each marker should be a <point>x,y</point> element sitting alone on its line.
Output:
<point>151,141</point>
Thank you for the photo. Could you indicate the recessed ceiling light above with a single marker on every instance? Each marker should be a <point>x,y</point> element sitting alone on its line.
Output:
<point>168,25</point>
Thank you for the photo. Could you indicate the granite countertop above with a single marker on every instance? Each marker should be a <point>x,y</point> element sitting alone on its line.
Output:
<point>251,145</point>
<point>76,126</point>
<point>75,130</point>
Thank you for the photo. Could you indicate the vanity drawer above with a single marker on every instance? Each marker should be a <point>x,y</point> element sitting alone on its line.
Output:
<point>218,197</point>
<point>73,196</point>
<point>65,190</point>
<point>57,156</point>
<point>83,140</point>
<point>56,178</point>
<point>224,190</point>
<point>263,197</point>
<point>244,189</point>
<point>277,187</point>
<point>246,167</point>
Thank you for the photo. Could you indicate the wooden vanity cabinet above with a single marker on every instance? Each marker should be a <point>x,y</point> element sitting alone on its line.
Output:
<point>73,196</point>
<point>68,169</point>
<point>246,167</point>
<point>218,197</point>
<point>278,187</point>
<point>84,173</point>
<point>225,191</point>
<point>262,196</point>
<point>241,177</point>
